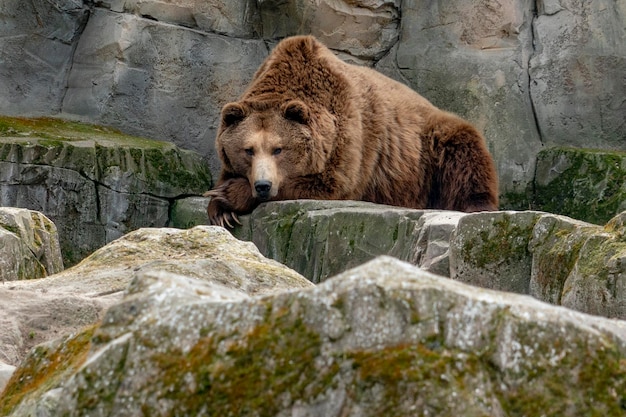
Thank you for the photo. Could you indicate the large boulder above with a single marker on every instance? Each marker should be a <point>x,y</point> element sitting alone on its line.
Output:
<point>323,238</point>
<point>29,245</point>
<point>94,183</point>
<point>554,258</point>
<point>382,339</point>
<point>39,310</point>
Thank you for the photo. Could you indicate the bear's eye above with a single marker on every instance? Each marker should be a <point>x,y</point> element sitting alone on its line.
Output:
<point>277,151</point>
<point>249,151</point>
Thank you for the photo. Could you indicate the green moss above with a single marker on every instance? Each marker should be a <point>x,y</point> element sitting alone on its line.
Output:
<point>417,375</point>
<point>538,386</point>
<point>597,252</point>
<point>276,356</point>
<point>500,242</point>
<point>45,368</point>
<point>517,201</point>
<point>57,131</point>
<point>555,264</point>
<point>590,188</point>
<point>13,229</point>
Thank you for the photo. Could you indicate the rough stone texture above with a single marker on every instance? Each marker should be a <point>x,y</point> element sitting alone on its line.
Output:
<point>584,184</point>
<point>382,339</point>
<point>36,311</point>
<point>37,42</point>
<point>553,258</point>
<point>94,183</point>
<point>528,73</point>
<point>597,281</point>
<point>363,29</point>
<point>323,238</point>
<point>555,245</point>
<point>577,72</point>
<point>5,374</point>
<point>158,80</point>
<point>490,250</point>
<point>189,212</point>
<point>29,245</point>
<point>236,18</point>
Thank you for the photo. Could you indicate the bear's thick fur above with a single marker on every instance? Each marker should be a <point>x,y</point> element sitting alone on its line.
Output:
<point>311,126</point>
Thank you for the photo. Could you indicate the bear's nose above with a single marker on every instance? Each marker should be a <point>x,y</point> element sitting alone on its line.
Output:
<point>263,188</point>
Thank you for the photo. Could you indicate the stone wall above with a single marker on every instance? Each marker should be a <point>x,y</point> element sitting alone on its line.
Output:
<point>530,74</point>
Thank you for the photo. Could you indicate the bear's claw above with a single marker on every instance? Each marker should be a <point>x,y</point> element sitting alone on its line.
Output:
<point>218,216</point>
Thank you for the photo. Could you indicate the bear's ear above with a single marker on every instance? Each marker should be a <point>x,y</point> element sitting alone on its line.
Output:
<point>296,111</point>
<point>233,113</point>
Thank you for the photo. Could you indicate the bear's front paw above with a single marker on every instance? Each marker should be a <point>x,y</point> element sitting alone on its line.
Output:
<point>218,210</point>
<point>231,197</point>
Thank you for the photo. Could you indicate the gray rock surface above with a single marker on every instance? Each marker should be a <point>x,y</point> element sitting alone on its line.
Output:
<point>37,43</point>
<point>382,339</point>
<point>527,73</point>
<point>365,30</point>
<point>553,258</point>
<point>6,371</point>
<point>95,184</point>
<point>320,239</point>
<point>490,250</point>
<point>577,73</point>
<point>39,310</point>
<point>158,80</point>
<point>29,245</point>
<point>472,58</point>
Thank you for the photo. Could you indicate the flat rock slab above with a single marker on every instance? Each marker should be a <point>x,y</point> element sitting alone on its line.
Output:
<point>94,183</point>
<point>554,258</point>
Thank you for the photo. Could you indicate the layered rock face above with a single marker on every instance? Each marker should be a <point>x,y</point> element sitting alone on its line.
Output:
<point>385,338</point>
<point>554,258</point>
<point>94,183</point>
<point>529,74</point>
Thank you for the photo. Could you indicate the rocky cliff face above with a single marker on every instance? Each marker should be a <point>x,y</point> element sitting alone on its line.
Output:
<point>96,184</point>
<point>530,74</point>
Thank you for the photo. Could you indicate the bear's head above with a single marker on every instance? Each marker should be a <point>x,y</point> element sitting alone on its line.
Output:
<point>273,143</point>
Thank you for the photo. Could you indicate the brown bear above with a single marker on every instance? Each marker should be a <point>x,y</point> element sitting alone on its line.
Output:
<point>311,126</point>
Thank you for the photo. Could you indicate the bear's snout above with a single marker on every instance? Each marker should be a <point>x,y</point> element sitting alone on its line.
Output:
<point>263,188</point>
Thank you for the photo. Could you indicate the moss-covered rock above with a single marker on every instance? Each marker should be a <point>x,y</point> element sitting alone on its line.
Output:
<point>555,246</point>
<point>382,339</point>
<point>585,184</point>
<point>95,183</point>
<point>38,310</point>
<point>323,238</point>
<point>490,250</point>
<point>29,245</point>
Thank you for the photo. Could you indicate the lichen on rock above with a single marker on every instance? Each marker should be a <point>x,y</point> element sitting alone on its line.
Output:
<point>385,337</point>
<point>95,183</point>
